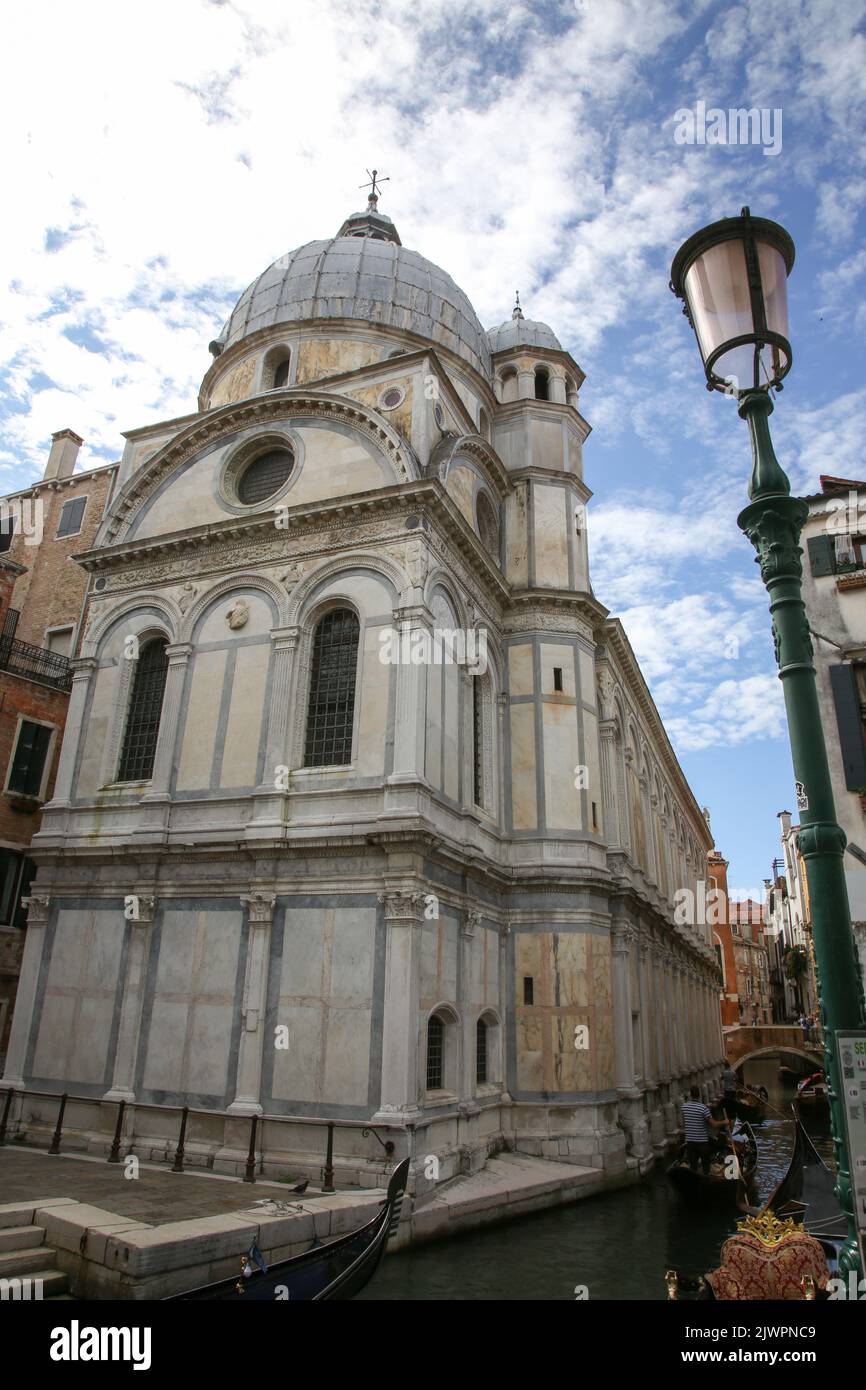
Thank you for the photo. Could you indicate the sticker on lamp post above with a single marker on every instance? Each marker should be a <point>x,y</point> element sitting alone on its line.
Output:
<point>802,797</point>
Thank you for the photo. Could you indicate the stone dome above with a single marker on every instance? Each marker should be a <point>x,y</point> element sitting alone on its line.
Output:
<point>366,277</point>
<point>521,332</point>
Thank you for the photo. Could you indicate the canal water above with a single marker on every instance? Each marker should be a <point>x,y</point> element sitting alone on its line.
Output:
<point>616,1246</point>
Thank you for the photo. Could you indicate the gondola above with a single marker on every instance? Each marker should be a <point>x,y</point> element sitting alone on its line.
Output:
<point>337,1270</point>
<point>701,1188</point>
<point>750,1105</point>
<point>805,1195</point>
<point>812,1093</point>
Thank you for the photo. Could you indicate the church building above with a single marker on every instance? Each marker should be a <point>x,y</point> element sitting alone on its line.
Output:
<point>364,811</point>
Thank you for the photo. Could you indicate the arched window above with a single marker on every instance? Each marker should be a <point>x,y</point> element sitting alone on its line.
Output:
<point>275,368</point>
<point>542,384</point>
<point>483,794</point>
<point>477,741</point>
<point>435,1053</point>
<point>281,373</point>
<point>145,709</point>
<point>488,525</point>
<point>481,1053</point>
<point>510,384</point>
<point>331,705</point>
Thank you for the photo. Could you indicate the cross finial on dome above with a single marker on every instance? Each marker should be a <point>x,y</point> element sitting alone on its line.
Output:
<point>517,312</point>
<point>373,195</point>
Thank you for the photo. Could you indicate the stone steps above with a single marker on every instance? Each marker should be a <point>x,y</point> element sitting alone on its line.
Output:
<point>13,1262</point>
<point>54,1284</point>
<point>27,1265</point>
<point>20,1237</point>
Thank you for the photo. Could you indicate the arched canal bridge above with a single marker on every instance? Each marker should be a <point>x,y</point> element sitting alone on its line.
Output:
<point>742,1044</point>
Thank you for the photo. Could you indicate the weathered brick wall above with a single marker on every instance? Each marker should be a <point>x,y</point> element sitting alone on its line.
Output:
<point>50,594</point>
<point>17,827</point>
<point>19,696</point>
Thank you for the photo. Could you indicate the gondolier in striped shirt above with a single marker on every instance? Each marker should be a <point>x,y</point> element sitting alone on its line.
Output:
<point>698,1124</point>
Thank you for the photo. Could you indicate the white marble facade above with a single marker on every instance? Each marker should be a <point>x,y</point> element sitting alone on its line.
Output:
<point>505,854</point>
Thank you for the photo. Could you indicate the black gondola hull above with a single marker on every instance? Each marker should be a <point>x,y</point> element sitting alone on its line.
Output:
<point>331,1272</point>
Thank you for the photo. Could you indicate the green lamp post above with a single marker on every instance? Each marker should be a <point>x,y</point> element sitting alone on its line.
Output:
<point>732,277</point>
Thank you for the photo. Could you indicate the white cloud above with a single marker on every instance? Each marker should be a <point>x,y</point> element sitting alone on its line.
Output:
<point>736,711</point>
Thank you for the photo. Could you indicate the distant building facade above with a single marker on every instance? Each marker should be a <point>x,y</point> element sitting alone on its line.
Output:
<point>834,591</point>
<point>752,963</point>
<point>788,927</point>
<point>741,951</point>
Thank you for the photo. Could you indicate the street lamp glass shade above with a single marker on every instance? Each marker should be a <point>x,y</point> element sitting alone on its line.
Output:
<point>733,278</point>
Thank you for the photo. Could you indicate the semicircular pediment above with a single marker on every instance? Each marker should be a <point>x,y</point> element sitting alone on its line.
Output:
<point>338,447</point>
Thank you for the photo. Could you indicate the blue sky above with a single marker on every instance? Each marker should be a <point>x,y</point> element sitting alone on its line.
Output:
<point>157,159</point>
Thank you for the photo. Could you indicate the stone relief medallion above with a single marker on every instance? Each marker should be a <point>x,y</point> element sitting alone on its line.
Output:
<point>290,577</point>
<point>238,615</point>
<point>187,594</point>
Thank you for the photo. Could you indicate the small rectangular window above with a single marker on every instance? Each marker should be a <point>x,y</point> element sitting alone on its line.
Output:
<point>71,517</point>
<point>59,640</point>
<point>527,989</point>
<point>557,677</point>
<point>594,817</point>
<point>28,762</point>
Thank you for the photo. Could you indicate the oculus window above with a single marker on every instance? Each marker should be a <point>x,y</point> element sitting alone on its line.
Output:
<point>265,476</point>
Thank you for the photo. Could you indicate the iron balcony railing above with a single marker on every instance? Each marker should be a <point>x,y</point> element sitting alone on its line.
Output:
<point>255,1155</point>
<point>35,663</point>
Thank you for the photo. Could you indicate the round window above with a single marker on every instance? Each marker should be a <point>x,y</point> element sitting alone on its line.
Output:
<point>265,476</point>
<point>391,397</point>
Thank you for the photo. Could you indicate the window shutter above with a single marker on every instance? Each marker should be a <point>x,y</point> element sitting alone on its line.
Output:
<point>10,863</point>
<point>848,719</point>
<point>29,760</point>
<point>71,516</point>
<point>822,555</point>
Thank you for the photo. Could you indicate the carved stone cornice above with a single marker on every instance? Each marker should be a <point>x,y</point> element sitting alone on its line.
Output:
<point>613,635</point>
<point>623,936</point>
<point>38,907</point>
<point>285,639</point>
<point>552,611</point>
<point>83,667</point>
<point>402,904</point>
<point>260,908</point>
<point>320,529</point>
<point>469,924</point>
<point>145,908</point>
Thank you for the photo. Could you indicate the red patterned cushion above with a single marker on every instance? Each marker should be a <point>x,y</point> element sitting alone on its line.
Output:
<point>751,1269</point>
<point>723,1285</point>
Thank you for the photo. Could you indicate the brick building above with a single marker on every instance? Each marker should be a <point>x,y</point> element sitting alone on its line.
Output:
<point>738,931</point>
<point>752,962</point>
<point>41,593</point>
